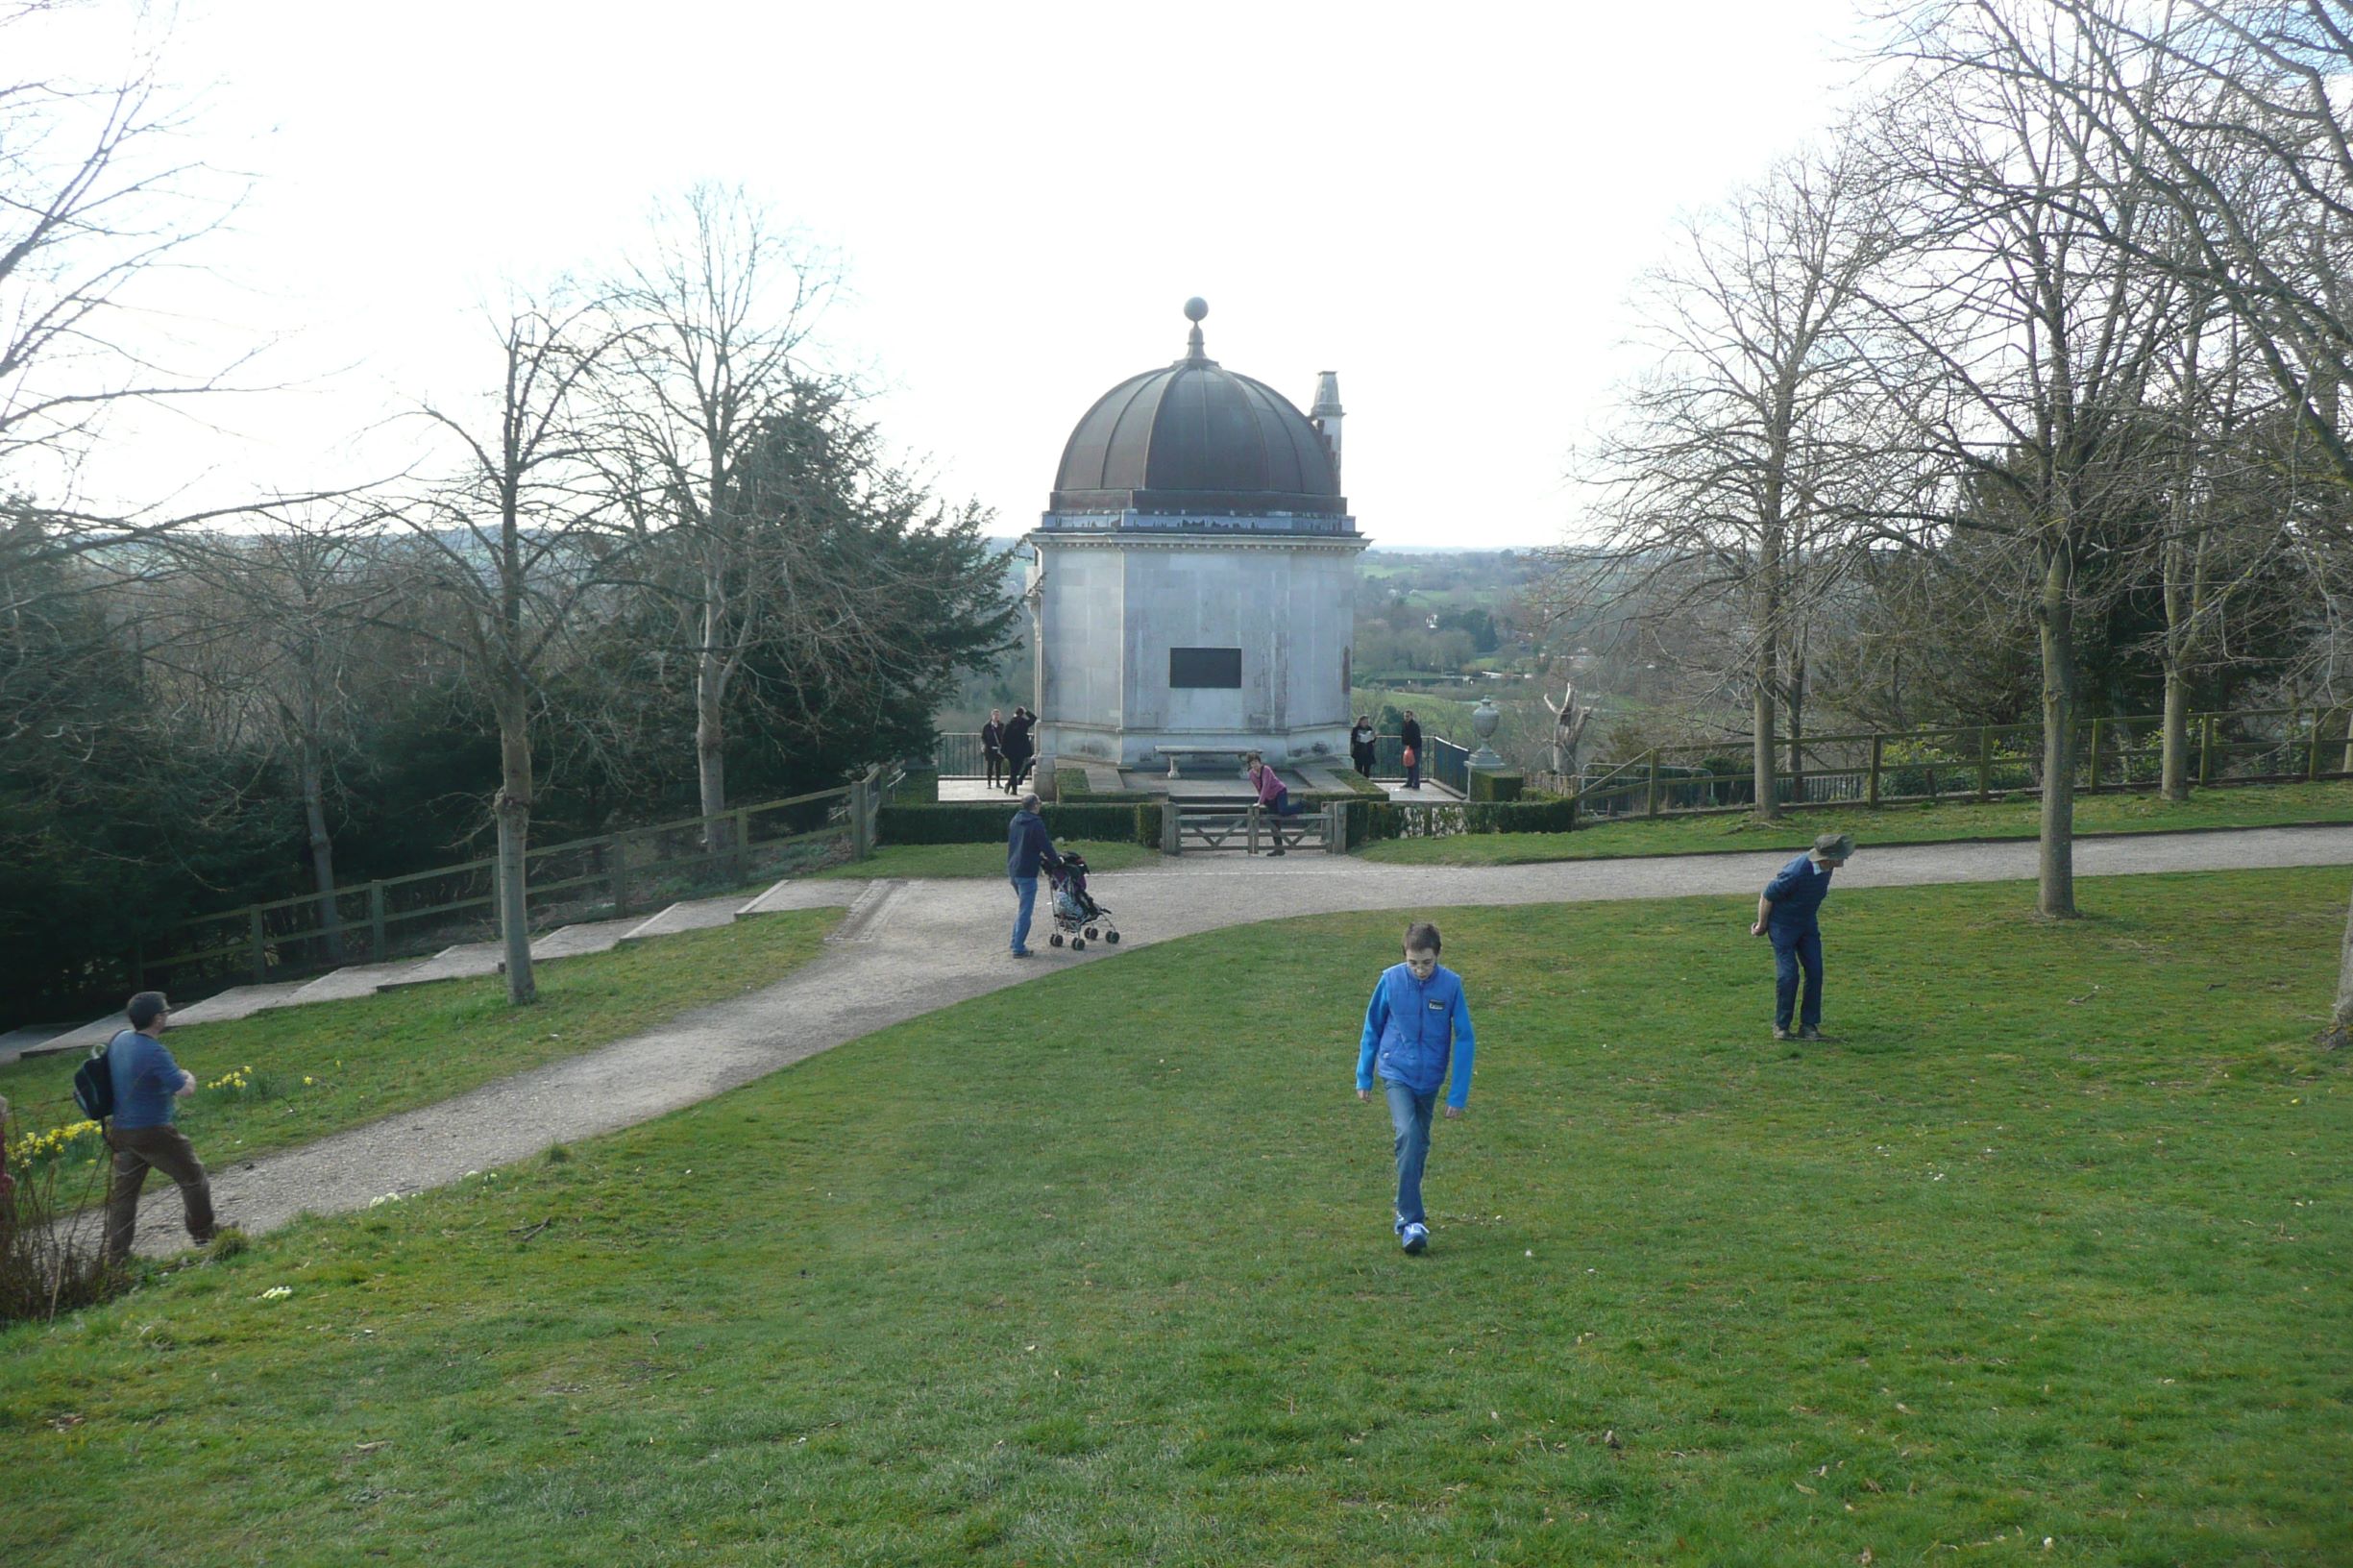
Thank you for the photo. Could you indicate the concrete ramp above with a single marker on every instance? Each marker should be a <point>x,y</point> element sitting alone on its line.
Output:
<point>239,1002</point>
<point>689,915</point>
<point>351,980</point>
<point>803,893</point>
<point>586,937</point>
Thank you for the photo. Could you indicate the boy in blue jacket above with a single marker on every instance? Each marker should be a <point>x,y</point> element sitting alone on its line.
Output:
<point>1418,1019</point>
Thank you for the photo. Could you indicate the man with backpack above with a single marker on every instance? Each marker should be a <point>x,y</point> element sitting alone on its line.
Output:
<point>146,1084</point>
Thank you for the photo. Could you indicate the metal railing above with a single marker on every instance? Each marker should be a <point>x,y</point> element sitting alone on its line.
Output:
<point>957,754</point>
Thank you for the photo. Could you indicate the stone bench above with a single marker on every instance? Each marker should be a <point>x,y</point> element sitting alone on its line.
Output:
<point>1178,753</point>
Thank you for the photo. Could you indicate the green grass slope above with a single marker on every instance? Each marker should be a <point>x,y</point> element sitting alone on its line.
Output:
<point>296,1073</point>
<point>1098,1269</point>
<point>1927,822</point>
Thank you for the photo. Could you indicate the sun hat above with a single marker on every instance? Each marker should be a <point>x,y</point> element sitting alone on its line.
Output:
<point>1833,846</point>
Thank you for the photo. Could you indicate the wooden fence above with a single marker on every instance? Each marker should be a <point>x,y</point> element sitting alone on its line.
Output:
<point>637,870</point>
<point>2261,745</point>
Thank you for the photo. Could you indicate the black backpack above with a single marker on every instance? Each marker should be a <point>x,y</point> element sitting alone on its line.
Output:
<point>95,1085</point>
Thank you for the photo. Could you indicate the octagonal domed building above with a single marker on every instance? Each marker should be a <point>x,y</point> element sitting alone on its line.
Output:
<point>1194,576</point>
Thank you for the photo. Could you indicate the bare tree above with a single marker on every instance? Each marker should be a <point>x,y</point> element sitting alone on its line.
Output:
<point>522,538</point>
<point>1729,480</point>
<point>98,201</point>
<point>713,317</point>
<point>2025,339</point>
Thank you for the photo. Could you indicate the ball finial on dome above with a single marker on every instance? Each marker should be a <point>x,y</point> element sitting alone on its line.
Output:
<point>1196,307</point>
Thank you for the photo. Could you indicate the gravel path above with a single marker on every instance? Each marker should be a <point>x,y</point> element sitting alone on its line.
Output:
<point>907,948</point>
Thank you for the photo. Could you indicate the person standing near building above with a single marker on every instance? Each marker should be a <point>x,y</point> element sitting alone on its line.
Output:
<point>1418,1019</point>
<point>1788,913</point>
<point>1362,744</point>
<point>1409,733</point>
<point>993,746</point>
<point>1017,748</point>
<point>1028,847</point>
<point>148,1085</point>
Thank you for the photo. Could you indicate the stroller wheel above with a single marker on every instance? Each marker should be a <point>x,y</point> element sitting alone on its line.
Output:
<point>1078,945</point>
<point>1090,933</point>
<point>1054,941</point>
<point>1113,939</point>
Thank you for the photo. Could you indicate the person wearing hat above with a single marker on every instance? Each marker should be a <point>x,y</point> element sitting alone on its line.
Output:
<point>1786,912</point>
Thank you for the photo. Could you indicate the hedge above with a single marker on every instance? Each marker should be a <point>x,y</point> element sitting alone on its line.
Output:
<point>977,821</point>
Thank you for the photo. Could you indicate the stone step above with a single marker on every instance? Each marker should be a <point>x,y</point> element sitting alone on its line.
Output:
<point>585,936</point>
<point>794,893</point>
<point>689,915</point>
<point>350,981</point>
<point>95,1033</point>
<point>462,962</point>
<point>239,1002</point>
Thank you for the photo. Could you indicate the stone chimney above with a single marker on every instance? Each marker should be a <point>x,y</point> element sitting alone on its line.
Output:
<point>1325,416</point>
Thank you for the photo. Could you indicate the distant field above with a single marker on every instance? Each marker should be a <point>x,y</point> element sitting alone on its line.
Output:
<point>2042,1262</point>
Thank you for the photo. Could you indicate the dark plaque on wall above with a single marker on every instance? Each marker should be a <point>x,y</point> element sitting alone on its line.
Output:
<point>1205,667</point>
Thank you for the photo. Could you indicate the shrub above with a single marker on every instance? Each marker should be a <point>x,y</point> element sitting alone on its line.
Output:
<point>48,1267</point>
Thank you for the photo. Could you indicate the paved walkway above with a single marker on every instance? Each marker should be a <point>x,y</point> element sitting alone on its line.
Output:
<point>909,949</point>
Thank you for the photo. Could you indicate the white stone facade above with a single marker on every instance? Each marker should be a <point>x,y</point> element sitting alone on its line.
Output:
<point>1112,606</point>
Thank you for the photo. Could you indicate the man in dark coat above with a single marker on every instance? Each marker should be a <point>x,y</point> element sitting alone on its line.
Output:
<point>1410,734</point>
<point>993,746</point>
<point>1019,749</point>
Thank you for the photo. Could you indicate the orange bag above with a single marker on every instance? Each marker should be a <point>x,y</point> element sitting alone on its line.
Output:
<point>1410,759</point>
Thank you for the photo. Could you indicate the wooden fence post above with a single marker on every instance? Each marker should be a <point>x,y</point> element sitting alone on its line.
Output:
<point>1171,828</point>
<point>260,942</point>
<point>375,922</point>
<point>2205,749</point>
<point>1871,790</point>
<point>1985,764</point>
<point>617,866</point>
<point>861,843</point>
<point>2312,761</point>
<point>1651,798</point>
<point>2093,758</point>
<point>743,843</point>
<point>1254,830</point>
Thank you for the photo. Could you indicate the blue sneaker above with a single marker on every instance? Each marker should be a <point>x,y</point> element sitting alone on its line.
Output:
<point>1416,1237</point>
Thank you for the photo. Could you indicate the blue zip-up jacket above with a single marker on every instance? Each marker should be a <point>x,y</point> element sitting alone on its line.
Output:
<point>1411,1027</point>
<point>1026,846</point>
<point>1797,892</point>
<point>146,1081</point>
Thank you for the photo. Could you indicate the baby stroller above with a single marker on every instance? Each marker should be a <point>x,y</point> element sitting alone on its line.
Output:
<point>1076,914</point>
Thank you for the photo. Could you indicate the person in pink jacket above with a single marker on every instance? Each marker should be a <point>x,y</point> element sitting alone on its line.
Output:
<point>1274,796</point>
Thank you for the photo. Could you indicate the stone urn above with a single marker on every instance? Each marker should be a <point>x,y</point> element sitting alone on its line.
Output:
<point>1483,720</point>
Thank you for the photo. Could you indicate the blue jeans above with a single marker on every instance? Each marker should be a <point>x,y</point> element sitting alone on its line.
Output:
<point>1025,888</point>
<point>1410,1114</point>
<point>1413,775</point>
<point>1791,951</point>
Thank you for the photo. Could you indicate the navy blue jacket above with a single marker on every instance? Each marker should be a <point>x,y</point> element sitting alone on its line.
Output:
<point>1797,892</point>
<point>1026,846</point>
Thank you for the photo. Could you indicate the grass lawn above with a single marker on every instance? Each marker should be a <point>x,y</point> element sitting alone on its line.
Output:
<point>912,860</point>
<point>2255,806</point>
<point>1099,1270</point>
<point>324,1066</point>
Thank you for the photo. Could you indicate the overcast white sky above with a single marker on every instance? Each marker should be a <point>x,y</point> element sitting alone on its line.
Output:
<point>1445,205</point>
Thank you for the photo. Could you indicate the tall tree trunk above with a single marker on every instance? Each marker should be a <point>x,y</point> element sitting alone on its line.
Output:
<point>2340,1031</point>
<point>1795,698</point>
<point>711,750</point>
<point>2054,619</point>
<point>1768,621</point>
<point>322,843</point>
<point>2174,781</point>
<point>513,812</point>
